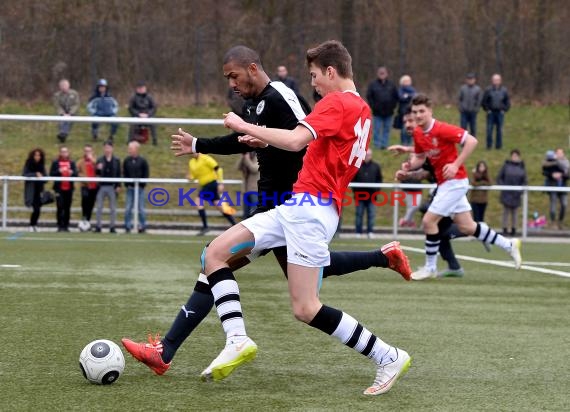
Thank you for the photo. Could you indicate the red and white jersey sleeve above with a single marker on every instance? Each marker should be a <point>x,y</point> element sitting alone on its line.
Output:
<point>340,125</point>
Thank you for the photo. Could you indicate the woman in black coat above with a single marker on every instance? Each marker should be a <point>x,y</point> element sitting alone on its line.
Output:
<point>513,173</point>
<point>34,167</point>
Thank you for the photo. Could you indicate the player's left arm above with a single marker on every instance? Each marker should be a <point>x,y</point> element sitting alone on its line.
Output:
<point>291,140</point>
<point>469,145</point>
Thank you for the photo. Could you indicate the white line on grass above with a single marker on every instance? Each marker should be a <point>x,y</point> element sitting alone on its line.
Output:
<point>498,263</point>
<point>10,266</point>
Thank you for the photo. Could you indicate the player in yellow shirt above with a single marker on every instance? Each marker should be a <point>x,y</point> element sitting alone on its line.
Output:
<point>206,170</point>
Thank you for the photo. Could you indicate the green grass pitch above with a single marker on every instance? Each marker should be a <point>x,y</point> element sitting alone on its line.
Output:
<point>496,340</point>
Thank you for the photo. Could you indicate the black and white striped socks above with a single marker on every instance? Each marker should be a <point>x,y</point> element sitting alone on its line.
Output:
<point>347,329</point>
<point>226,298</point>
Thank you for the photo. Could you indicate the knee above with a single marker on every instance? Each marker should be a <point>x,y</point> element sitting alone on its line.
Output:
<point>305,312</point>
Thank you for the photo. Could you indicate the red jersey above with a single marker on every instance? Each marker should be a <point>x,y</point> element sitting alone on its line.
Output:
<point>340,125</point>
<point>439,143</point>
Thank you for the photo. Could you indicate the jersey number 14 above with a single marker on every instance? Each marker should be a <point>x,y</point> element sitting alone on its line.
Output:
<point>358,152</point>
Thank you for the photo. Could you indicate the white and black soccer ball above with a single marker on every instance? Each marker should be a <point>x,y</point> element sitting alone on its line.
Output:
<point>102,362</point>
<point>84,226</point>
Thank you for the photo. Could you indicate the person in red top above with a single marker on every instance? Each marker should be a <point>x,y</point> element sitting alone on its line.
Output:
<point>337,134</point>
<point>86,168</point>
<point>437,141</point>
<point>63,166</point>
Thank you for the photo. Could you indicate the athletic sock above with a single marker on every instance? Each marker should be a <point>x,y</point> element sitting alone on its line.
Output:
<point>202,214</point>
<point>230,218</point>
<point>348,262</point>
<point>446,252</point>
<point>485,234</point>
<point>432,247</point>
<point>226,298</point>
<point>191,315</point>
<point>351,333</point>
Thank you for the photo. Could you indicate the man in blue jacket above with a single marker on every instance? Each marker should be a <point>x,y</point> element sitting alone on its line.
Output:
<point>102,104</point>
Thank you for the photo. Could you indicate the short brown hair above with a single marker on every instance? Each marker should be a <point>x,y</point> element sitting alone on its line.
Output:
<point>419,99</point>
<point>331,53</point>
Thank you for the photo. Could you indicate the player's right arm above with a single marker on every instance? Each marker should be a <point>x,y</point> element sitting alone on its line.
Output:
<point>184,143</point>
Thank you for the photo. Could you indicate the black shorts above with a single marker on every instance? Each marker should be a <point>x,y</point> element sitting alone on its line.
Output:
<point>209,192</point>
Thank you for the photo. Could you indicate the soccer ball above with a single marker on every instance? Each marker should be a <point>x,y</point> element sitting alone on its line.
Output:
<point>102,362</point>
<point>84,226</point>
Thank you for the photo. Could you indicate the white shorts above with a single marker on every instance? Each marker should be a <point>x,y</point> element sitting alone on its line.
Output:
<point>306,230</point>
<point>451,198</point>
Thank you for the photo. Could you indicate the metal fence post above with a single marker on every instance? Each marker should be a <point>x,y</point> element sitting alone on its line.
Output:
<point>4,202</point>
<point>394,217</point>
<point>525,213</point>
<point>136,207</point>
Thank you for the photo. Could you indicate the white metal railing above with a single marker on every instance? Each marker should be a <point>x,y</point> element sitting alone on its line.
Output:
<point>394,186</point>
<point>112,119</point>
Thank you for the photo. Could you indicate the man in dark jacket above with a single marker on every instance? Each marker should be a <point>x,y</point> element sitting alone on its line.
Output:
<point>382,96</point>
<point>142,105</point>
<point>135,166</point>
<point>555,169</point>
<point>102,104</point>
<point>283,77</point>
<point>470,97</point>
<point>496,103</point>
<point>63,166</point>
<point>369,172</point>
<point>108,165</point>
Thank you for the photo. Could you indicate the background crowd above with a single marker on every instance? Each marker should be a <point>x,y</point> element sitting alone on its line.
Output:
<point>388,101</point>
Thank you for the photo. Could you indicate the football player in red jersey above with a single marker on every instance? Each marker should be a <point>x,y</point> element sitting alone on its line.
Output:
<point>437,141</point>
<point>337,134</point>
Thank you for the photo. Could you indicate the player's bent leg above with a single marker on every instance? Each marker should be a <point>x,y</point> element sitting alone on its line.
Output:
<point>391,362</point>
<point>484,233</point>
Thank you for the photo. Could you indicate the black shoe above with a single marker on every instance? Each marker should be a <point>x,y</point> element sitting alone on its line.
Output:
<point>62,137</point>
<point>60,229</point>
<point>127,231</point>
<point>203,231</point>
<point>142,230</point>
<point>112,230</point>
<point>97,229</point>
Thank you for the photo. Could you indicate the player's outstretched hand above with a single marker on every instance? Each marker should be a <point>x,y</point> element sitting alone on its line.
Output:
<point>182,143</point>
<point>234,122</point>
<point>398,149</point>
<point>252,141</point>
<point>449,171</point>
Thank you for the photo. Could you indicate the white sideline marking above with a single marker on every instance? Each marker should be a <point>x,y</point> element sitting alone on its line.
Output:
<point>498,263</point>
<point>10,266</point>
<point>561,264</point>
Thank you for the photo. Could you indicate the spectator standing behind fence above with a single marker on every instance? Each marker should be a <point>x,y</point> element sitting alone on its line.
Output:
<point>34,167</point>
<point>66,101</point>
<point>555,169</point>
<point>136,167</point>
<point>206,170</point>
<point>108,165</point>
<point>250,174</point>
<point>382,96</point>
<point>470,98</point>
<point>102,104</point>
<point>513,173</point>
<point>496,103</point>
<point>86,167</point>
<point>63,166</point>
<point>283,77</point>
<point>142,105</point>
<point>479,198</point>
<point>406,92</point>
<point>369,172</point>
